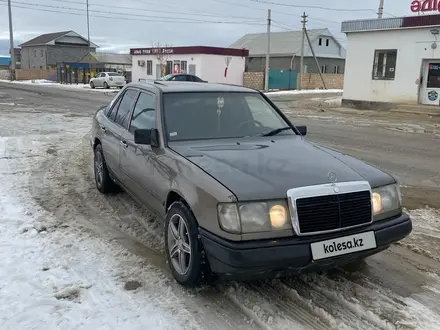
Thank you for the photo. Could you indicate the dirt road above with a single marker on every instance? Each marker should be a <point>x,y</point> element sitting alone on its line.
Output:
<point>396,289</point>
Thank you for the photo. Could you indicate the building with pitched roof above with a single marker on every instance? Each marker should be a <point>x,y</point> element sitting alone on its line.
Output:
<point>46,50</point>
<point>285,51</point>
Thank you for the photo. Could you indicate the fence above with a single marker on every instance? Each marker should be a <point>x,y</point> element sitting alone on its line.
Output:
<point>309,81</point>
<point>5,75</point>
<point>34,74</point>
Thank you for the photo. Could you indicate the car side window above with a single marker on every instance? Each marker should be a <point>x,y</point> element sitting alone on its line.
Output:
<point>112,112</point>
<point>144,114</point>
<point>180,78</point>
<point>122,116</point>
<point>196,79</point>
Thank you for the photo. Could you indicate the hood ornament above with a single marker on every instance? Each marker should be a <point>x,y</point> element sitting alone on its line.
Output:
<point>333,178</point>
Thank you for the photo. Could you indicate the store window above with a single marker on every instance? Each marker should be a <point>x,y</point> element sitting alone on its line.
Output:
<point>324,69</point>
<point>433,75</point>
<point>183,66</point>
<point>384,66</point>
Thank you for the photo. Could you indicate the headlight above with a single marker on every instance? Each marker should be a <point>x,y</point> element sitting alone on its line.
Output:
<point>254,217</point>
<point>386,199</point>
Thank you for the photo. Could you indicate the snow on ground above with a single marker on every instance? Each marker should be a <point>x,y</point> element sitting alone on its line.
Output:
<point>55,276</point>
<point>304,91</point>
<point>75,259</point>
<point>50,83</point>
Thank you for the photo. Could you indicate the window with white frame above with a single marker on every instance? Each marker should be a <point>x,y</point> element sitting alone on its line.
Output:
<point>336,69</point>
<point>149,68</point>
<point>324,69</point>
<point>384,65</point>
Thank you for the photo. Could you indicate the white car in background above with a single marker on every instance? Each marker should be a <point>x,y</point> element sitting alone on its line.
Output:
<point>107,80</point>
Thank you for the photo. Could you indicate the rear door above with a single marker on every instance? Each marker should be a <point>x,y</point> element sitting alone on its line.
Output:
<point>113,128</point>
<point>138,162</point>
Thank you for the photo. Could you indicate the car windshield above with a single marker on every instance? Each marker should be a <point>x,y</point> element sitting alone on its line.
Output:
<point>113,74</point>
<point>166,77</point>
<point>218,115</point>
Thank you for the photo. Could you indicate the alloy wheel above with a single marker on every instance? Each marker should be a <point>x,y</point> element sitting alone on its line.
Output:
<point>179,244</point>
<point>98,168</point>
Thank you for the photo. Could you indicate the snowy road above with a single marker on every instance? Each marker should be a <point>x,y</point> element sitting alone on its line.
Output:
<point>74,259</point>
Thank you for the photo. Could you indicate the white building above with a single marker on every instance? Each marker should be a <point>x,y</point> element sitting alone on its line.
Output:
<point>213,64</point>
<point>392,60</point>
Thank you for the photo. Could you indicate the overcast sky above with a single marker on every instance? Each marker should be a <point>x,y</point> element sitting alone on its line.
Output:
<point>177,22</point>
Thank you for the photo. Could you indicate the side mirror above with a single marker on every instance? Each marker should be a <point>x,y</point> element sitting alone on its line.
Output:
<point>147,137</point>
<point>302,130</point>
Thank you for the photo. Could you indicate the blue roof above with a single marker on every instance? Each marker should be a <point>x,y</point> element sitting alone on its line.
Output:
<point>5,61</point>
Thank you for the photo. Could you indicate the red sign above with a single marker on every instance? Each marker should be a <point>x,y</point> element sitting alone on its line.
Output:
<point>425,5</point>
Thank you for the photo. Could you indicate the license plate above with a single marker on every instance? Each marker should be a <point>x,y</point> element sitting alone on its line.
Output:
<point>343,245</point>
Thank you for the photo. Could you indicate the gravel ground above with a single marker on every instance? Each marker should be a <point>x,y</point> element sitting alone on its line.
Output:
<point>396,289</point>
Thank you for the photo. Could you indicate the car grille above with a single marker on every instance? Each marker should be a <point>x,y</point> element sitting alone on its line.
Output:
<point>332,212</point>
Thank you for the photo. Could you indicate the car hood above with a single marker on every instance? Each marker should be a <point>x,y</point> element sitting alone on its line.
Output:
<point>266,169</point>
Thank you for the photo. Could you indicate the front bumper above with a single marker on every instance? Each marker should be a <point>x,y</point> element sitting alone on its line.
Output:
<point>292,256</point>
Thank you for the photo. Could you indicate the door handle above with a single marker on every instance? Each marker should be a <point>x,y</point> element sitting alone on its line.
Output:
<point>103,129</point>
<point>124,144</point>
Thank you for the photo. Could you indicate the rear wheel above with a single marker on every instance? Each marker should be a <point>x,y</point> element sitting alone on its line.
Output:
<point>106,86</point>
<point>92,85</point>
<point>102,178</point>
<point>183,247</point>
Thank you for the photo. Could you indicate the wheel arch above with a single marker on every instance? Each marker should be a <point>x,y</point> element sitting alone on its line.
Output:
<point>174,196</point>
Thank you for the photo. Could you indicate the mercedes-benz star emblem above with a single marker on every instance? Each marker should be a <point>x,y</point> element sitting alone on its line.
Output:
<point>332,177</point>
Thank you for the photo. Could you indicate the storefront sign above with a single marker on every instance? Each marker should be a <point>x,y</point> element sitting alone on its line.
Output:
<point>152,51</point>
<point>425,5</point>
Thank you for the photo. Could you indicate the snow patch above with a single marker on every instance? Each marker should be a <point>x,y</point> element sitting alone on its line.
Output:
<point>305,91</point>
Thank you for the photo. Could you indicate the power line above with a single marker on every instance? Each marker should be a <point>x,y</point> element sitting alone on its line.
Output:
<point>171,19</point>
<point>311,7</point>
<point>160,11</point>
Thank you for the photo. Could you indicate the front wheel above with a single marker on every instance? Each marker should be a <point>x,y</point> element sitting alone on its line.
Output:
<point>102,177</point>
<point>183,247</point>
<point>106,86</point>
<point>92,85</point>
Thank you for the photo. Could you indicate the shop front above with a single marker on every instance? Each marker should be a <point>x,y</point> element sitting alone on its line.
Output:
<point>430,86</point>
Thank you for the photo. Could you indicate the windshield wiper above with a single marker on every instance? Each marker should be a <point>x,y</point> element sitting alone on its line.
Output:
<point>276,131</point>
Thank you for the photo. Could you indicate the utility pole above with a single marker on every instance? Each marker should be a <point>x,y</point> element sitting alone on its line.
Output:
<point>88,23</point>
<point>380,11</point>
<point>316,60</point>
<point>11,42</point>
<point>266,76</point>
<point>301,68</point>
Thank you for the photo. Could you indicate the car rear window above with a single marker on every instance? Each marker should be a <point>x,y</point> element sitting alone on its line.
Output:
<point>217,115</point>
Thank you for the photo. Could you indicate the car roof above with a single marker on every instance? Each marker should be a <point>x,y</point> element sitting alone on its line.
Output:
<point>179,86</point>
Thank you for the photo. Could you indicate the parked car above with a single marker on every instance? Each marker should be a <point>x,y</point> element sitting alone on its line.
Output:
<point>243,193</point>
<point>181,77</point>
<point>108,80</point>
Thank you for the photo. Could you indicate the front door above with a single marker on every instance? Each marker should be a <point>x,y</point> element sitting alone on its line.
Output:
<point>192,69</point>
<point>138,161</point>
<point>158,71</point>
<point>430,83</point>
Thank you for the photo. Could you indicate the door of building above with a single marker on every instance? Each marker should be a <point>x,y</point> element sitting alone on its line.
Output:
<point>158,71</point>
<point>430,83</point>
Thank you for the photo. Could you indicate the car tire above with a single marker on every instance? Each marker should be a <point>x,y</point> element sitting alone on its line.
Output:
<point>106,86</point>
<point>102,177</point>
<point>92,85</point>
<point>190,270</point>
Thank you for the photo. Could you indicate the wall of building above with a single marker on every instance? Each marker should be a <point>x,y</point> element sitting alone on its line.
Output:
<point>332,50</point>
<point>412,46</point>
<point>257,64</point>
<point>213,69</point>
<point>140,72</point>
<point>34,57</point>
<point>57,54</point>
